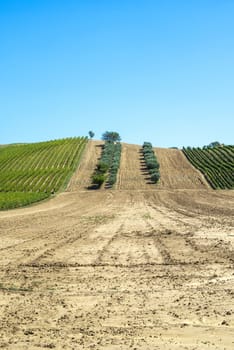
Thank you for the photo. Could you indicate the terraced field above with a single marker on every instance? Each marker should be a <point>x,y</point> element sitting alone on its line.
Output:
<point>142,266</point>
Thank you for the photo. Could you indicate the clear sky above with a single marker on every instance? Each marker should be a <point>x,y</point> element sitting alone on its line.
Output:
<point>152,70</point>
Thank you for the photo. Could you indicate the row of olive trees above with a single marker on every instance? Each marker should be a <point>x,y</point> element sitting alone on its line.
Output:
<point>151,161</point>
<point>108,165</point>
<point>115,162</point>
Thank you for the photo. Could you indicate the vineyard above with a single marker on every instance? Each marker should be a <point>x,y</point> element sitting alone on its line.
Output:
<point>216,164</point>
<point>32,172</point>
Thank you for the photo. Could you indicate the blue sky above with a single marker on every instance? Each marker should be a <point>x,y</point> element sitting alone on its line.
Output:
<point>153,70</point>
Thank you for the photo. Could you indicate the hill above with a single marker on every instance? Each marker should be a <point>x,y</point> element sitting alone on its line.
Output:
<point>138,266</point>
<point>32,172</point>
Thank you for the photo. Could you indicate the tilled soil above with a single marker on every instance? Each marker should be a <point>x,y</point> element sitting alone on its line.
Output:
<point>141,266</point>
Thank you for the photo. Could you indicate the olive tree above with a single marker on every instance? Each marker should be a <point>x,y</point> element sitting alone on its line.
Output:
<point>111,136</point>
<point>91,134</point>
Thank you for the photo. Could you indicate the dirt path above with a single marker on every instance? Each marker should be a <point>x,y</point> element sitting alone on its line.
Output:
<point>130,268</point>
<point>82,177</point>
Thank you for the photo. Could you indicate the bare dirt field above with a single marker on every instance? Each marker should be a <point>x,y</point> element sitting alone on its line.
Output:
<point>141,266</point>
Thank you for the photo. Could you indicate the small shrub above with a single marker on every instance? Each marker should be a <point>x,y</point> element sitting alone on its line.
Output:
<point>102,167</point>
<point>155,177</point>
<point>98,179</point>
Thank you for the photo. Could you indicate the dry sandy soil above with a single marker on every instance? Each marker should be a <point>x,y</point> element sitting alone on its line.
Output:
<point>141,266</point>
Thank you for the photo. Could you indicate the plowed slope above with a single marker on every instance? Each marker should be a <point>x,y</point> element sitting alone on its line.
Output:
<point>177,172</point>
<point>131,173</point>
<point>139,266</point>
